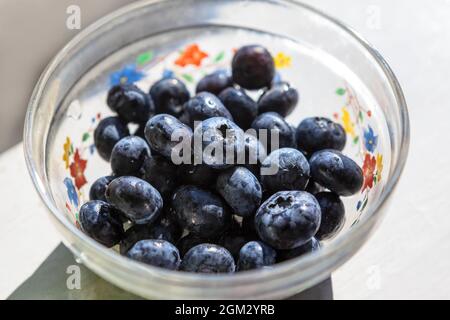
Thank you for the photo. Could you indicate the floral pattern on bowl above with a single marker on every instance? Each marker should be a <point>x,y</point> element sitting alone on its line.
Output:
<point>190,64</point>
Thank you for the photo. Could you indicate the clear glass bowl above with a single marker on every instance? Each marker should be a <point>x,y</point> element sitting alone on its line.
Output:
<point>338,74</point>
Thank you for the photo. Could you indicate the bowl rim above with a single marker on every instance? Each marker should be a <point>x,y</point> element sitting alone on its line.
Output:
<point>205,280</point>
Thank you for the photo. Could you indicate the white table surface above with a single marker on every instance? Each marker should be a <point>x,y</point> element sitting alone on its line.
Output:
<point>409,255</point>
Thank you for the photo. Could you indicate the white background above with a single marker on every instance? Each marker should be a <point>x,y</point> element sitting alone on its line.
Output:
<point>409,255</point>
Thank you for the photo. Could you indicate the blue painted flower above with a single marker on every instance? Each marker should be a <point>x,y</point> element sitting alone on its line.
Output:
<point>71,192</point>
<point>358,205</point>
<point>127,74</point>
<point>370,139</point>
<point>167,73</point>
<point>92,149</point>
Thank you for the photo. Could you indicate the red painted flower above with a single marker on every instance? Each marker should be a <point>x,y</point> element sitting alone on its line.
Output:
<point>191,55</point>
<point>77,168</point>
<point>369,166</point>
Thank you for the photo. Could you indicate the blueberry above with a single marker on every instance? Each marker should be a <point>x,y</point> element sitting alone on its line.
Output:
<point>243,109</point>
<point>248,225</point>
<point>163,229</point>
<point>168,136</point>
<point>293,129</point>
<point>188,242</point>
<point>184,118</point>
<point>222,142</point>
<point>273,121</point>
<point>255,153</point>
<point>98,188</point>
<point>235,237</point>
<point>169,96</point>
<point>158,253</point>
<point>313,187</point>
<point>253,67</point>
<point>215,82</point>
<point>333,215</point>
<point>336,172</point>
<point>134,234</point>
<point>140,131</point>
<point>288,219</point>
<point>136,198</point>
<point>108,132</point>
<point>199,175</point>
<point>240,189</point>
<point>131,103</point>
<point>167,222</point>
<point>311,246</point>
<point>208,258</point>
<point>200,212</point>
<point>233,242</point>
<point>203,106</point>
<point>255,255</point>
<point>281,98</point>
<point>101,221</point>
<point>285,169</point>
<point>128,156</point>
<point>161,174</point>
<point>318,133</point>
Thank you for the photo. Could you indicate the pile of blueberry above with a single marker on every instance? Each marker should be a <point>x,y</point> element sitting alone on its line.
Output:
<point>214,216</point>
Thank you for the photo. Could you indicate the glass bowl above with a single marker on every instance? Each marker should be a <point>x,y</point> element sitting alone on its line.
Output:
<point>338,74</point>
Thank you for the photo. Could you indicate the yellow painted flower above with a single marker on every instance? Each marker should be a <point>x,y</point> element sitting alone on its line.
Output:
<point>379,166</point>
<point>67,152</point>
<point>282,60</point>
<point>347,123</point>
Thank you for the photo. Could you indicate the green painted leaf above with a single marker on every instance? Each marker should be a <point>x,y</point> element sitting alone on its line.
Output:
<point>360,116</point>
<point>219,57</point>
<point>340,91</point>
<point>144,58</point>
<point>188,77</point>
<point>71,149</point>
<point>85,136</point>
<point>356,140</point>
